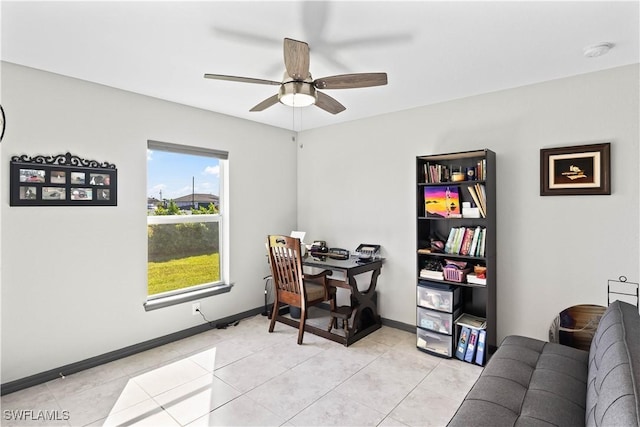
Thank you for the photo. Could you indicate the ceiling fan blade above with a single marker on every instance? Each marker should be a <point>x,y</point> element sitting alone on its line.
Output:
<point>372,41</point>
<point>349,81</point>
<point>241,79</point>
<point>266,103</point>
<point>296,59</point>
<point>329,104</point>
<point>314,20</point>
<point>246,37</point>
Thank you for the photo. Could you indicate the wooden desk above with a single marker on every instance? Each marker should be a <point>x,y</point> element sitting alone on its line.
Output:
<point>364,303</point>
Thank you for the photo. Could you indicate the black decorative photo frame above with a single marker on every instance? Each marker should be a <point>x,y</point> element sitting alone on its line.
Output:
<point>576,170</point>
<point>62,180</point>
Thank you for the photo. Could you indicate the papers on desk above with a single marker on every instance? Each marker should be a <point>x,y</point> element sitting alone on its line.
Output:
<point>298,235</point>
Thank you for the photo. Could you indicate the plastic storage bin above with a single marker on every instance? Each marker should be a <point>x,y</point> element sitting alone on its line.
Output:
<point>438,296</point>
<point>437,321</point>
<point>431,342</point>
<point>455,275</point>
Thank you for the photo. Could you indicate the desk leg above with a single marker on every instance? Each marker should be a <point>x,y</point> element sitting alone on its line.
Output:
<point>366,317</point>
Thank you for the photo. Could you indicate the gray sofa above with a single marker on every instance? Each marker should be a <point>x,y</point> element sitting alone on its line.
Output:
<point>528,382</point>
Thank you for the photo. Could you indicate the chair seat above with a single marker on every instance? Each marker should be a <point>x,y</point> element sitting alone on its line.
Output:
<point>314,292</point>
<point>342,312</point>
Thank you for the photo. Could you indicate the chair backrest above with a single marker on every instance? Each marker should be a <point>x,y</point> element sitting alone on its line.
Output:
<point>286,269</point>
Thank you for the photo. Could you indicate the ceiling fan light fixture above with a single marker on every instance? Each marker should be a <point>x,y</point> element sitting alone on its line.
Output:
<point>297,94</point>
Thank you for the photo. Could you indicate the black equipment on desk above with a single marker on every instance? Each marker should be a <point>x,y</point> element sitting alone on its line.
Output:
<point>367,252</point>
<point>338,253</point>
<point>319,248</point>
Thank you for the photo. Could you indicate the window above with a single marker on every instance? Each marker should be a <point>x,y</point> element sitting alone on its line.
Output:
<point>185,218</point>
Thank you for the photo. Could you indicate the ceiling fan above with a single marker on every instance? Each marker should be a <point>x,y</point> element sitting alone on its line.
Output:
<point>298,89</point>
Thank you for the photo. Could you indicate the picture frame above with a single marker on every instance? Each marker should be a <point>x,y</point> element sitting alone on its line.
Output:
<point>576,170</point>
<point>62,180</point>
<point>442,201</point>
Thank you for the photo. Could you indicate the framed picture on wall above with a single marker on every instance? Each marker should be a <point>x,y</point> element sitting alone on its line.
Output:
<point>62,180</point>
<point>575,170</point>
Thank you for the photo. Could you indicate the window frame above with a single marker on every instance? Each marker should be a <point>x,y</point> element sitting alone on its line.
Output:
<point>166,299</point>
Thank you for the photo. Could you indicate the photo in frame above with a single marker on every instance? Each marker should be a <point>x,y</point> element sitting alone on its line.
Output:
<point>576,170</point>
<point>62,180</point>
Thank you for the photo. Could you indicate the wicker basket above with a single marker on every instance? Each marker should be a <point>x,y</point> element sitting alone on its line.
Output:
<point>455,275</point>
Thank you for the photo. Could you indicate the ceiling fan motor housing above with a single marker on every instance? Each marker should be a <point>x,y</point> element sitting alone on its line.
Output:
<point>297,94</point>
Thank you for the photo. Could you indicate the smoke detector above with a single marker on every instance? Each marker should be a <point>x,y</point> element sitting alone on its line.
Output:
<point>596,50</point>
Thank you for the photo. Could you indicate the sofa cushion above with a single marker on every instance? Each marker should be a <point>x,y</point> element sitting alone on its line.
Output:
<point>528,382</point>
<point>614,371</point>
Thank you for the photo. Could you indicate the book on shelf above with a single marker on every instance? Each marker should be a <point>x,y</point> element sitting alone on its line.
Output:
<point>442,202</point>
<point>449,244</point>
<point>482,337</point>
<point>482,196</point>
<point>481,172</point>
<point>431,274</point>
<point>472,322</point>
<point>467,239</point>
<point>435,173</point>
<point>474,196</point>
<point>483,235</point>
<point>462,343</point>
<point>457,244</point>
<point>474,242</point>
<point>471,347</point>
<point>472,278</point>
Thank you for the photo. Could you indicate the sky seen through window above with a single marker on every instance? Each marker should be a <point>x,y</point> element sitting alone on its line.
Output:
<point>170,175</point>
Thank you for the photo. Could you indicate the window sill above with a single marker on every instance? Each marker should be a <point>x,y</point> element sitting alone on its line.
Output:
<point>156,303</point>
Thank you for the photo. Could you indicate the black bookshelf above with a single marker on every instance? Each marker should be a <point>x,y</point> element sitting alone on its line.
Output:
<point>435,220</point>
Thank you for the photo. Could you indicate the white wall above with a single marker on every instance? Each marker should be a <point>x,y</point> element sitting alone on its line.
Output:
<point>74,278</point>
<point>357,184</point>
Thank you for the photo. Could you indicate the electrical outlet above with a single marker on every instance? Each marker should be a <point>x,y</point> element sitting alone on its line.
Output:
<point>195,308</point>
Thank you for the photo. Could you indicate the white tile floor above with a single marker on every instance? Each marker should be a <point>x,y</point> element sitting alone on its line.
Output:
<point>245,376</point>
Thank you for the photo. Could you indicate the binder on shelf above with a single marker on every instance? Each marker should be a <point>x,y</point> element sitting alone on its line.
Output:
<point>471,347</point>
<point>462,343</point>
<point>482,337</point>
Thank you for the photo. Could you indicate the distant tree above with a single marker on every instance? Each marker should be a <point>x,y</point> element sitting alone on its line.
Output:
<point>211,209</point>
<point>171,209</point>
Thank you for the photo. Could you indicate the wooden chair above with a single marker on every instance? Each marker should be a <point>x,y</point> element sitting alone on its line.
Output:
<point>291,285</point>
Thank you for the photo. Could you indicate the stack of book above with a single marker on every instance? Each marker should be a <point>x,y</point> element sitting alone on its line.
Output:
<point>479,196</point>
<point>473,278</point>
<point>471,342</point>
<point>431,274</point>
<point>466,241</point>
<point>435,174</point>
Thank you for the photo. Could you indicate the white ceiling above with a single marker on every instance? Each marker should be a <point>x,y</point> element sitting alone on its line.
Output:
<point>432,51</point>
